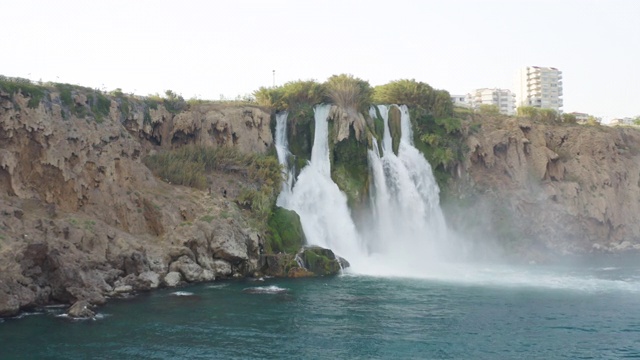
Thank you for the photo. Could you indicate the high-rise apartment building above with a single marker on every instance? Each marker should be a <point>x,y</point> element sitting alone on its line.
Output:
<point>540,87</point>
<point>502,98</point>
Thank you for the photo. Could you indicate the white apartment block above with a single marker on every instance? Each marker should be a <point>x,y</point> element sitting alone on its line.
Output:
<point>502,98</point>
<point>461,100</point>
<point>540,87</point>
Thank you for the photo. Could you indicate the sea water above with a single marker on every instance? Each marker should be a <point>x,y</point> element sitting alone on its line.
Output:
<point>489,311</point>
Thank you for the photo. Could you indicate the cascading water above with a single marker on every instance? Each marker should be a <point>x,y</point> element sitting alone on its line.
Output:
<point>282,150</point>
<point>405,233</point>
<point>324,214</point>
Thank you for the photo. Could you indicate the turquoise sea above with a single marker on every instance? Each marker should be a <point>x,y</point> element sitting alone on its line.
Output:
<point>487,312</point>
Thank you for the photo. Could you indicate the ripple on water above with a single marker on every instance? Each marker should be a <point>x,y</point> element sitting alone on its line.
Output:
<point>182,293</point>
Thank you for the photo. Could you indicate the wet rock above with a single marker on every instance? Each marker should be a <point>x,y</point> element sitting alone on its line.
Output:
<point>222,268</point>
<point>298,272</point>
<point>188,268</point>
<point>81,309</point>
<point>9,304</point>
<point>320,261</point>
<point>150,279</point>
<point>123,289</point>
<point>172,279</point>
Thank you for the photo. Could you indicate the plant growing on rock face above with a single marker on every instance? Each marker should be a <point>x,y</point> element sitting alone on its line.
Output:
<point>173,102</point>
<point>569,119</point>
<point>489,110</point>
<point>527,111</point>
<point>190,165</point>
<point>34,92</point>
<point>349,92</point>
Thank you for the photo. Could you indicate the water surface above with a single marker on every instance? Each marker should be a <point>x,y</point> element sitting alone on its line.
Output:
<point>536,312</point>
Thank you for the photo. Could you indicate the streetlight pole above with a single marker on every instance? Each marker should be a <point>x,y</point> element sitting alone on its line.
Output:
<point>274,78</point>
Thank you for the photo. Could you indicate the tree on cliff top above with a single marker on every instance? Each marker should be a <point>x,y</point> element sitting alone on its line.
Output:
<point>417,95</point>
<point>291,96</point>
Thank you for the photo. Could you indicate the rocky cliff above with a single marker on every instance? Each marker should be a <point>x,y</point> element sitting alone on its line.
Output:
<point>562,189</point>
<point>82,218</point>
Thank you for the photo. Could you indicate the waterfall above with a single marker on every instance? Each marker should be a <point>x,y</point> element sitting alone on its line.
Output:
<point>282,150</point>
<point>407,232</point>
<point>404,234</point>
<point>324,214</point>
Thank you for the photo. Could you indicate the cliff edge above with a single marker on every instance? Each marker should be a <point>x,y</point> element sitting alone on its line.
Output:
<point>564,189</point>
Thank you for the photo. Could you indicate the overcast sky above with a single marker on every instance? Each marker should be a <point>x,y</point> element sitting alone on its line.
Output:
<point>209,48</point>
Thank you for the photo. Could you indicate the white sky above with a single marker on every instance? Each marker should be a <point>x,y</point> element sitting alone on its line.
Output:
<point>230,47</point>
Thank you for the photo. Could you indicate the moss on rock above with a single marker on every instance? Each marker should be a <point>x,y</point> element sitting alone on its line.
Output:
<point>320,261</point>
<point>285,232</point>
<point>350,170</point>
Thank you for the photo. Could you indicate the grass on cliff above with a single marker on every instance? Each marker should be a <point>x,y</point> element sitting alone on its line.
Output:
<point>190,165</point>
<point>35,93</point>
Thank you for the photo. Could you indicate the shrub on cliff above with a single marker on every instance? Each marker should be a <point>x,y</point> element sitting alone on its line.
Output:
<point>190,165</point>
<point>349,92</point>
<point>292,96</point>
<point>539,114</point>
<point>34,92</point>
<point>418,96</point>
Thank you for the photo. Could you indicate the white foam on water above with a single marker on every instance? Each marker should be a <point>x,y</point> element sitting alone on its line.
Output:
<point>182,293</point>
<point>217,286</point>
<point>272,289</point>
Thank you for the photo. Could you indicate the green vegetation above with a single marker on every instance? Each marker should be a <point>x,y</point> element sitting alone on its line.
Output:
<point>297,97</point>
<point>100,106</point>
<point>489,110</point>
<point>190,165</point>
<point>538,114</point>
<point>349,168</point>
<point>284,232</point>
<point>207,218</point>
<point>320,261</point>
<point>35,93</point>
<point>349,92</point>
<point>418,96</point>
<point>173,102</point>
<point>569,119</point>
<point>437,128</point>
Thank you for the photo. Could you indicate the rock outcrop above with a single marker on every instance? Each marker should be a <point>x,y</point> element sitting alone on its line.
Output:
<point>309,261</point>
<point>562,188</point>
<point>82,218</point>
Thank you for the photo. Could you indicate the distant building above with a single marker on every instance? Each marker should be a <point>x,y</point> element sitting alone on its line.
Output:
<point>623,121</point>
<point>581,118</point>
<point>540,87</point>
<point>461,100</point>
<point>503,99</point>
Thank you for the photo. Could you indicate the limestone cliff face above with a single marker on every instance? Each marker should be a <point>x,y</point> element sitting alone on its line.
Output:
<point>82,218</point>
<point>569,189</point>
<point>214,125</point>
